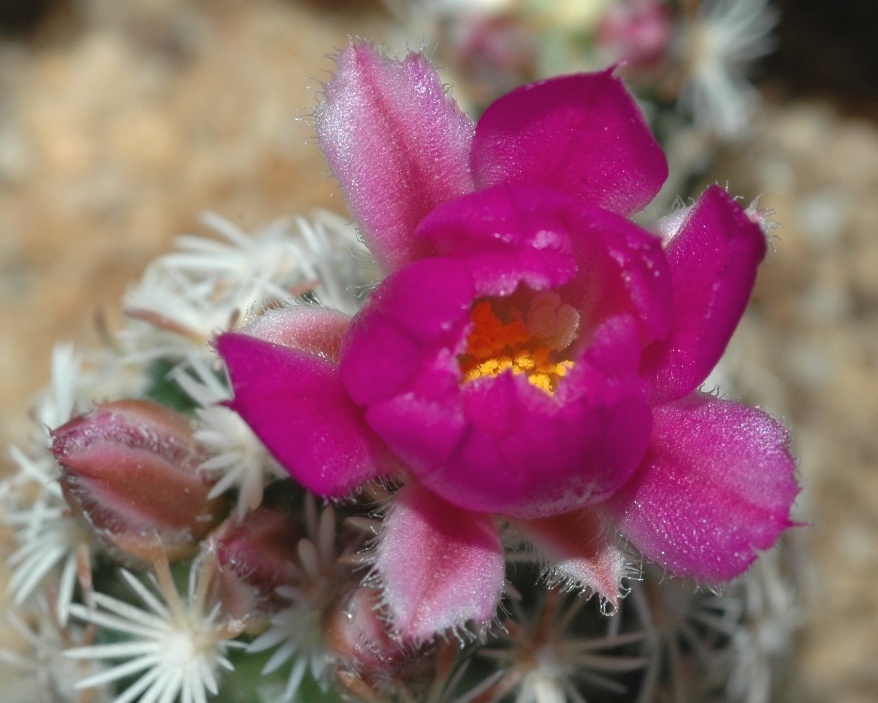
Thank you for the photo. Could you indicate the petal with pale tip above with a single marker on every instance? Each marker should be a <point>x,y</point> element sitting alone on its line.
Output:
<point>398,145</point>
<point>440,567</point>
<point>715,487</point>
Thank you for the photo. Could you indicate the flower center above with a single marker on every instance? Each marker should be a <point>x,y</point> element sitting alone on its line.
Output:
<point>522,344</point>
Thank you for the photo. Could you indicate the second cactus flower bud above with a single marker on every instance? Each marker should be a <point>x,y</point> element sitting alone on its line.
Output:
<point>256,556</point>
<point>130,469</point>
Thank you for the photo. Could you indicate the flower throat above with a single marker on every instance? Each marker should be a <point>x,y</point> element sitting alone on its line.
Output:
<point>525,345</point>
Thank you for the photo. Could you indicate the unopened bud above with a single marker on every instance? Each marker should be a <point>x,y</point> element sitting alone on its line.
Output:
<point>256,556</point>
<point>638,32</point>
<point>358,637</point>
<point>130,468</point>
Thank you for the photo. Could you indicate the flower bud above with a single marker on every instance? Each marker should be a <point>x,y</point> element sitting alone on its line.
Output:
<point>130,468</point>
<point>495,48</point>
<point>256,556</point>
<point>638,32</point>
<point>358,637</point>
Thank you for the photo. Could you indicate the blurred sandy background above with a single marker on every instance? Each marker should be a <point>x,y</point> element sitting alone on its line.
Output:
<point>121,121</point>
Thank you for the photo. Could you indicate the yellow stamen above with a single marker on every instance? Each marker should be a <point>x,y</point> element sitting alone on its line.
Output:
<point>495,346</point>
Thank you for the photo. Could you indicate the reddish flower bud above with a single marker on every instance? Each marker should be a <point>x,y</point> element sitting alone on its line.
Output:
<point>256,556</point>
<point>638,32</point>
<point>496,49</point>
<point>358,636</point>
<point>130,468</point>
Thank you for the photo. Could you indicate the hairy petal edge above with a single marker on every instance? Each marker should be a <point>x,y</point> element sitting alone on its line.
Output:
<point>579,552</point>
<point>716,485</point>
<point>713,261</point>
<point>440,566</point>
<point>398,145</point>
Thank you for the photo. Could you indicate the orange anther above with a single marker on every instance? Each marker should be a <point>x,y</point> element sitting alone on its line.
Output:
<point>495,346</point>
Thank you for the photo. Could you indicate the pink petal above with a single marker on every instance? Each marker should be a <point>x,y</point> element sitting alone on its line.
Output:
<point>440,567</point>
<point>522,233</point>
<point>716,485</point>
<point>615,347</point>
<point>410,318</point>
<point>579,552</point>
<point>426,428</point>
<point>506,235</point>
<point>296,404</point>
<point>398,145</point>
<point>713,262</point>
<point>623,268</point>
<point>500,445</point>
<point>532,456</point>
<point>308,328</point>
<point>582,134</point>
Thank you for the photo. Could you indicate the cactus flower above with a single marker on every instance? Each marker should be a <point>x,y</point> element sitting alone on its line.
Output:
<point>531,360</point>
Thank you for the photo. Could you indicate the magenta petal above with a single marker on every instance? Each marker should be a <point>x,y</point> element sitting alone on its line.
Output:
<point>716,485</point>
<point>713,262</point>
<point>398,145</point>
<point>615,347</point>
<point>532,456</point>
<point>296,405</point>
<point>579,552</point>
<point>440,567</point>
<point>500,445</point>
<point>426,427</point>
<point>582,134</point>
<point>505,236</point>
<point>626,270</point>
<point>410,318</point>
<point>308,328</point>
